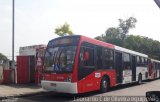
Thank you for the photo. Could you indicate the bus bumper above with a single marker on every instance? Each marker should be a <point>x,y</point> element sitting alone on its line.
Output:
<point>64,87</point>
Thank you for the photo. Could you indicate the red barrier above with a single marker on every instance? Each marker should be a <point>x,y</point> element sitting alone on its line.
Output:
<point>23,69</point>
<point>6,76</point>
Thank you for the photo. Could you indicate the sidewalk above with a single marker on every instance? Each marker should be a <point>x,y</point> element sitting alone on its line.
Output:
<point>19,90</point>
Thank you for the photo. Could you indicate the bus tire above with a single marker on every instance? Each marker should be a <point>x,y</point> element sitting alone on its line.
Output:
<point>104,86</point>
<point>139,79</point>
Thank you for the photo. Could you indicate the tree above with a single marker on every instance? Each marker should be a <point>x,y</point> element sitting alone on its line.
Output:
<point>100,38</point>
<point>144,45</point>
<point>117,35</point>
<point>112,35</point>
<point>126,25</point>
<point>63,30</point>
<point>3,57</point>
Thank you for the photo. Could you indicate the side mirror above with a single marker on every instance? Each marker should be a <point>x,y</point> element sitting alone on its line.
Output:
<point>86,56</point>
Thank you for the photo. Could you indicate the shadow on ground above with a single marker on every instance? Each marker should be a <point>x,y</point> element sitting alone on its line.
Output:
<point>61,97</point>
<point>19,86</point>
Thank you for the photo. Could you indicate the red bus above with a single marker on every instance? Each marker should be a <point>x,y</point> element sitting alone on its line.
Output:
<point>154,69</point>
<point>78,64</point>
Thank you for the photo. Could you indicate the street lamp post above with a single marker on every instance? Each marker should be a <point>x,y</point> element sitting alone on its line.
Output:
<point>13,34</point>
<point>13,62</point>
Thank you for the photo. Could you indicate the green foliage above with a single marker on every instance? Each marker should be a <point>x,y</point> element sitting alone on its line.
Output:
<point>112,35</point>
<point>3,57</point>
<point>117,35</point>
<point>63,30</point>
<point>126,25</point>
<point>101,38</point>
<point>144,45</point>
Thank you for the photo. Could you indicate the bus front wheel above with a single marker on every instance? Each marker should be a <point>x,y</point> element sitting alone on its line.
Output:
<point>104,86</point>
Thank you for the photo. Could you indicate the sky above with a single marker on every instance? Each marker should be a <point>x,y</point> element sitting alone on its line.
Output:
<point>35,20</point>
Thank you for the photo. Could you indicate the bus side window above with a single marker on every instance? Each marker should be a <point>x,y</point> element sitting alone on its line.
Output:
<point>108,59</point>
<point>138,60</point>
<point>126,60</point>
<point>90,54</point>
<point>99,57</point>
<point>145,61</point>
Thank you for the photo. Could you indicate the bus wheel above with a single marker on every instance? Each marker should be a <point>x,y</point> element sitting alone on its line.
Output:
<point>140,79</point>
<point>104,86</point>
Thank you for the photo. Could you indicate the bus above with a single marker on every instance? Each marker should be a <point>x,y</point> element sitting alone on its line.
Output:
<point>154,69</point>
<point>78,64</point>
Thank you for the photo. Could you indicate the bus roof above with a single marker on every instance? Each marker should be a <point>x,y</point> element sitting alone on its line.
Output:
<point>118,48</point>
<point>101,43</point>
<point>130,51</point>
<point>97,42</point>
<point>155,60</point>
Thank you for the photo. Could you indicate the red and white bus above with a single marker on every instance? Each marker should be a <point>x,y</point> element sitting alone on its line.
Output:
<point>154,69</point>
<point>78,64</point>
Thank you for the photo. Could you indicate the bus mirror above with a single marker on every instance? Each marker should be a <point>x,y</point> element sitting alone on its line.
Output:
<point>86,56</point>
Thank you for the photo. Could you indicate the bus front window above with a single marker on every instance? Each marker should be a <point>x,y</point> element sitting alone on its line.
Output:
<point>60,59</point>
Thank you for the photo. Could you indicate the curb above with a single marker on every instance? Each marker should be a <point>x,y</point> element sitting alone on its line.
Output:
<point>22,95</point>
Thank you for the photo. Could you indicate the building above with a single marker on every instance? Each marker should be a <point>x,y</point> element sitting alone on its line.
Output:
<point>28,68</point>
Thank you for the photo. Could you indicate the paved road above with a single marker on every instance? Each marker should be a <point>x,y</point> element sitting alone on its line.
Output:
<point>125,90</point>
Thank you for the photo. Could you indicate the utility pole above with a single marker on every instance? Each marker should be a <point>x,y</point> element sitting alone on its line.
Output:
<point>13,34</point>
<point>12,62</point>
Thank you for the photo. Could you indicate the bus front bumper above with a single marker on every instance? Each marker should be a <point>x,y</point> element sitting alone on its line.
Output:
<point>64,87</point>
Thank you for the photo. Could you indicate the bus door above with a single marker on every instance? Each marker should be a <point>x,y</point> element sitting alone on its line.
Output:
<point>133,68</point>
<point>118,66</point>
<point>149,68</point>
<point>86,70</point>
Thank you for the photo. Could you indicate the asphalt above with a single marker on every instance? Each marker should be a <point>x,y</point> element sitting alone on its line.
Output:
<point>31,93</point>
<point>21,90</point>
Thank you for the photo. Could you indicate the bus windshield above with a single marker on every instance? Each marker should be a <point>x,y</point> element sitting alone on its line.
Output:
<point>59,59</point>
